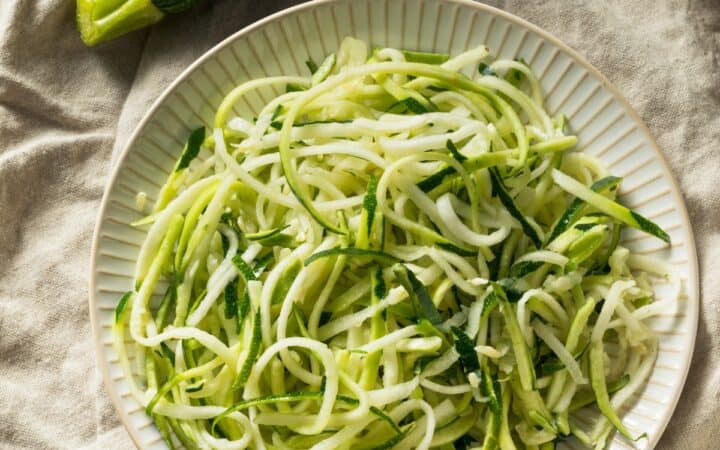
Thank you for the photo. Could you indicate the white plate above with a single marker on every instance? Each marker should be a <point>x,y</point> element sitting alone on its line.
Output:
<point>605,123</point>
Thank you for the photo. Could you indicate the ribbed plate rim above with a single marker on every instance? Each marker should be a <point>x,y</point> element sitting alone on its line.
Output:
<point>692,286</point>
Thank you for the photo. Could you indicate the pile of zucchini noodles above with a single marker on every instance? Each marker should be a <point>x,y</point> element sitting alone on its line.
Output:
<point>392,254</point>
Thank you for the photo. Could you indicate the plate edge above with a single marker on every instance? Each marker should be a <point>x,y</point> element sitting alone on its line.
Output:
<point>694,296</point>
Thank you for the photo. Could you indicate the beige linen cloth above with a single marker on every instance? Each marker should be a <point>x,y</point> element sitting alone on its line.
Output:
<point>66,109</point>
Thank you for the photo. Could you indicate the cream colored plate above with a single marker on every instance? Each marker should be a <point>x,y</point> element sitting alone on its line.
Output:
<point>606,125</point>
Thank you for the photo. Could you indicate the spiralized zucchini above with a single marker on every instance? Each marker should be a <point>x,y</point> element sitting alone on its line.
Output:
<point>392,254</point>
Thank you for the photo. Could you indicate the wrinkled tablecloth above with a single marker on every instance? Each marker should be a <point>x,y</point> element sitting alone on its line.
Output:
<point>65,108</point>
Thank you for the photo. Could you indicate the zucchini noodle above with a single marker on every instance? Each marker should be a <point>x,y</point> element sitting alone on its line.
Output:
<point>391,254</point>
